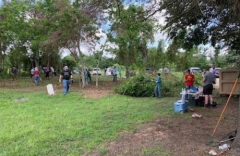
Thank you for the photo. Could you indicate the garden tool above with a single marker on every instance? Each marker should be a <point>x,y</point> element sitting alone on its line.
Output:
<point>212,143</point>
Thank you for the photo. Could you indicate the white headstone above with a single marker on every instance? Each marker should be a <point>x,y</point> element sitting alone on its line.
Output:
<point>50,89</point>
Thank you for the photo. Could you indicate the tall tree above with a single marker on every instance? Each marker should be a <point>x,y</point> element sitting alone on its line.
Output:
<point>130,34</point>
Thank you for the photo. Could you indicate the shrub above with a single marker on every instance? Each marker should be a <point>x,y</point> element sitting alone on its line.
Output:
<point>143,86</point>
<point>198,80</point>
<point>172,84</point>
<point>138,86</point>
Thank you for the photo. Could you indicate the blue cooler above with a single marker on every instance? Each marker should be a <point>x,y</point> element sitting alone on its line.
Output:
<point>179,106</point>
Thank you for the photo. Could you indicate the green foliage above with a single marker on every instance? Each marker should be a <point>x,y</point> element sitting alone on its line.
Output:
<point>198,80</point>
<point>157,57</point>
<point>143,85</point>
<point>69,61</point>
<point>138,86</point>
<point>131,34</point>
<point>172,84</point>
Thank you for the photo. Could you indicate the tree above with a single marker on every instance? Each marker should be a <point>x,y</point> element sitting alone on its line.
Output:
<point>157,57</point>
<point>130,34</point>
<point>69,61</point>
<point>77,25</point>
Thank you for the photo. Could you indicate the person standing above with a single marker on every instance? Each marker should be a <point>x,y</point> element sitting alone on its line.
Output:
<point>158,86</point>
<point>32,73</point>
<point>114,73</point>
<point>86,77</point>
<point>189,79</point>
<point>14,73</point>
<point>65,77</point>
<point>89,75</point>
<point>208,81</point>
<point>36,75</point>
<point>47,71</point>
<point>105,71</point>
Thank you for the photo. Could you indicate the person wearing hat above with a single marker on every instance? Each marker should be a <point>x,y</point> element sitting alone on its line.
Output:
<point>65,77</point>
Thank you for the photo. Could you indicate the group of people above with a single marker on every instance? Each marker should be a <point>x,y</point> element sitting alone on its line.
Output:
<point>208,81</point>
<point>47,71</point>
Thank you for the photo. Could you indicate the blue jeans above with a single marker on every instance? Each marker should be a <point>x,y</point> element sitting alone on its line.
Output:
<point>36,79</point>
<point>66,84</point>
<point>158,91</point>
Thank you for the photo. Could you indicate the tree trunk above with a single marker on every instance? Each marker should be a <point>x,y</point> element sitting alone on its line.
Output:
<point>127,73</point>
<point>82,61</point>
<point>97,75</point>
<point>97,80</point>
<point>82,66</point>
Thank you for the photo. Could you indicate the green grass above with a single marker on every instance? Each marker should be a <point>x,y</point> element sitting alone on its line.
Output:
<point>69,125</point>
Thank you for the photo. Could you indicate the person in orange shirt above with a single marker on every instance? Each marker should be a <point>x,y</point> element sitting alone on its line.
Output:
<point>189,79</point>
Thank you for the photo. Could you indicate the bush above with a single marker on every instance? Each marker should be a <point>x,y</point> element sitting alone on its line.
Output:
<point>198,80</point>
<point>138,86</point>
<point>172,84</point>
<point>143,86</point>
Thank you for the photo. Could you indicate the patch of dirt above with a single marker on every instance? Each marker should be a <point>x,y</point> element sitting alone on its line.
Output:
<point>104,89</point>
<point>182,134</point>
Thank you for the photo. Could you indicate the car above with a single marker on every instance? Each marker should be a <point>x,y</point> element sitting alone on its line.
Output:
<point>96,71</point>
<point>76,71</point>
<point>196,70</point>
<point>149,70</point>
<point>165,70</point>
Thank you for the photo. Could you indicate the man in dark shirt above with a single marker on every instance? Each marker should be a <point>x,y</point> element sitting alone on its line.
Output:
<point>208,81</point>
<point>65,76</point>
<point>14,73</point>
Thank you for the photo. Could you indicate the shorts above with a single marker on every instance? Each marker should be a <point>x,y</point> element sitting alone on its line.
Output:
<point>208,89</point>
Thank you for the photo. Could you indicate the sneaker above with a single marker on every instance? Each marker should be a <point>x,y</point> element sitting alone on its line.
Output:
<point>207,106</point>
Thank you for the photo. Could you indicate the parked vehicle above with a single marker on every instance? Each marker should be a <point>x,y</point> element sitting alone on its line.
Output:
<point>149,70</point>
<point>76,71</point>
<point>165,70</point>
<point>96,71</point>
<point>196,70</point>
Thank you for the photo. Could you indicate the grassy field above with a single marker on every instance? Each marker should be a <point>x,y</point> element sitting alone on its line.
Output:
<point>70,125</point>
